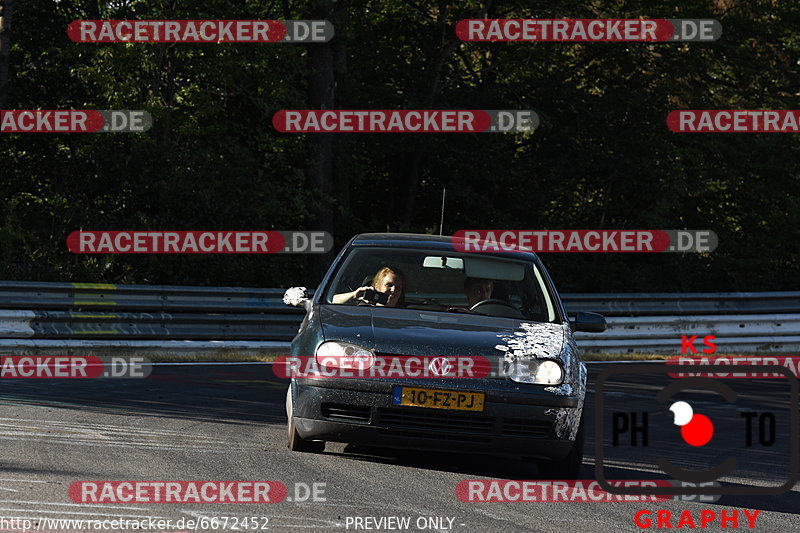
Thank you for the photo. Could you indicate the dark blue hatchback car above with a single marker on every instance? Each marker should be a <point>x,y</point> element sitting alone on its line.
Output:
<point>399,296</point>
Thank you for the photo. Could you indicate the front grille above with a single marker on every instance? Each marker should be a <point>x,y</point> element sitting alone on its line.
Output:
<point>440,422</point>
<point>345,413</point>
<point>520,427</point>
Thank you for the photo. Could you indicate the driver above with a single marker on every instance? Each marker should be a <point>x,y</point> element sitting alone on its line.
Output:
<point>386,280</point>
<point>478,289</point>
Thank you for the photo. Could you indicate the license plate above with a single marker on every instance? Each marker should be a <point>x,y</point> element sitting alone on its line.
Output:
<point>438,399</point>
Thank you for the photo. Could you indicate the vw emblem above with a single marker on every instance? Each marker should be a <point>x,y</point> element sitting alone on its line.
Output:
<point>440,366</point>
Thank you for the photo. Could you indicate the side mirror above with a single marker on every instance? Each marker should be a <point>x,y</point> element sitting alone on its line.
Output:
<point>297,297</point>
<point>588,322</point>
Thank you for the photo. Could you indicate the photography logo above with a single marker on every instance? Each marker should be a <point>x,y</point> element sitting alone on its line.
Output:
<point>698,429</point>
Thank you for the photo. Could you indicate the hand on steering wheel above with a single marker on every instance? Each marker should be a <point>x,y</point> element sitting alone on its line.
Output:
<point>489,301</point>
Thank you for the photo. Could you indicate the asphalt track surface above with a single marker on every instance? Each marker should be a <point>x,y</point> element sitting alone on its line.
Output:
<point>227,422</point>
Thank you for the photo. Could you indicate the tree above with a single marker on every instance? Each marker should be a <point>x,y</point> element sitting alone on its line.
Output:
<point>602,156</point>
<point>6,14</point>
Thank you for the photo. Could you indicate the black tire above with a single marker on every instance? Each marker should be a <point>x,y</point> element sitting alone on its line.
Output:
<point>295,442</point>
<point>570,466</point>
<point>299,444</point>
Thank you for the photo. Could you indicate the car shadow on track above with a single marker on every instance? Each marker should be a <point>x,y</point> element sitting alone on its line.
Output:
<point>788,502</point>
<point>476,465</point>
<point>247,394</point>
<point>499,468</point>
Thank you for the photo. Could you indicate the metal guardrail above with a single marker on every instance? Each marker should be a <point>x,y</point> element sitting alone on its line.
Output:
<point>696,303</point>
<point>81,317</point>
<point>773,333</point>
<point>94,318</point>
<point>150,298</point>
<point>654,323</point>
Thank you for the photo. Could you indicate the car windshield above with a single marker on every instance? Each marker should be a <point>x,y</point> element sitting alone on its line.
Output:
<point>444,281</point>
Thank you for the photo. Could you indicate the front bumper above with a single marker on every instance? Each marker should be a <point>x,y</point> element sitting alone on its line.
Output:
<point>525,428</point>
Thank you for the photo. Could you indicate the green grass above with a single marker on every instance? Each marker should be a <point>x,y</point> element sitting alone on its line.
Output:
<point>211,358</point>
<point>624,357</point>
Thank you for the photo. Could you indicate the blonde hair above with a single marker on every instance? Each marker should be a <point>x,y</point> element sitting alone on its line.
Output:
<point>382,273</point>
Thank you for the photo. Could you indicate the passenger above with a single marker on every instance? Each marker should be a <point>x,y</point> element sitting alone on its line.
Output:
<point>388,280</point>
<point>477,290</point>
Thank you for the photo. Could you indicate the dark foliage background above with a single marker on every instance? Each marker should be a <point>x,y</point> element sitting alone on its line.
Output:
<point>603,157</point>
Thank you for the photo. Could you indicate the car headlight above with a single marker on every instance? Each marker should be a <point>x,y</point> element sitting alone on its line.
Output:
<point>540,372</point>
<point>334,354</point>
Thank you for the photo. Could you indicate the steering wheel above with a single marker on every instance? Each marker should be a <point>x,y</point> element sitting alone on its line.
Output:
<point>490,301</point>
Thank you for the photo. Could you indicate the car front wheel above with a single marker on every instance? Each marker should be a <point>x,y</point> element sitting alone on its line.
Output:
<point>570,466</point>
<point>295,442</point>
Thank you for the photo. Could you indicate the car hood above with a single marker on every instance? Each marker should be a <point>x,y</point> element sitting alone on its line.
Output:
<point>416,332</point>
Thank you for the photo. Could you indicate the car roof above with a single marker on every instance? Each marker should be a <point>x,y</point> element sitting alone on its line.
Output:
<point>426,242</point>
